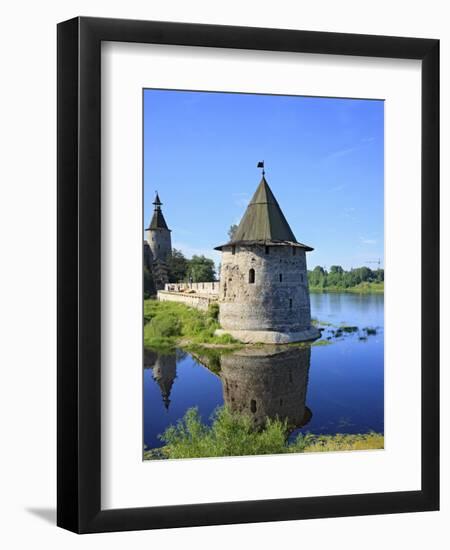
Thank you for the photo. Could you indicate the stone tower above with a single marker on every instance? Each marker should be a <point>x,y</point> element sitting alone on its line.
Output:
<point>158,246</point>
<point>158,234</point>
<point>266,384</point>
<point>264,295</point>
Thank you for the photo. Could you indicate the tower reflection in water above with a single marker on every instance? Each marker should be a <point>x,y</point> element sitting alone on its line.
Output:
<point>269,382</point>
<point>164,369</point>
<point>268,385</point>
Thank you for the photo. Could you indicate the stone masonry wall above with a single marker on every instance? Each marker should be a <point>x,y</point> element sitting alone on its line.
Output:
<point>192,300</point>
<point>201,288</point>
<point>277,300</point>
<point>160,243</point>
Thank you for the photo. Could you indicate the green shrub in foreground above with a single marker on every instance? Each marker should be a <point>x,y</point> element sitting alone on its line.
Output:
<point>232,434</point>
<point>229,435</point>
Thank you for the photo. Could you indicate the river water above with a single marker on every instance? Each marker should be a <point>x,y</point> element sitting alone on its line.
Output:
<point>334,388</point>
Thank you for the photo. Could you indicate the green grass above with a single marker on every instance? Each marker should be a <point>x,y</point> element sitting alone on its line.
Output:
<point>211,357</point>
<point>166,324</point>
<point>361,288</point>
<point>232,434</point>
<point>320,343</point>
<point>339,442</point>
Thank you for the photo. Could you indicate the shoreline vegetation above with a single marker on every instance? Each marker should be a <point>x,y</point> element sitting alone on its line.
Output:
<point>168,325</point>
<point>232,434</point>
<point>360,280</point>
<point>361,288</point>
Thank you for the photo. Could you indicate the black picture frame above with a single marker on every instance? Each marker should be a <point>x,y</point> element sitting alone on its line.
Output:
<point>79,280</point>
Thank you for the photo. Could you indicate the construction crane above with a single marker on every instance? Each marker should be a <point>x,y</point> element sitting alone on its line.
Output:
<point>378,262</point>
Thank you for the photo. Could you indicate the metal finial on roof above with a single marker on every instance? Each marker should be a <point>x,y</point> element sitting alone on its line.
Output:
<point>157,202</point>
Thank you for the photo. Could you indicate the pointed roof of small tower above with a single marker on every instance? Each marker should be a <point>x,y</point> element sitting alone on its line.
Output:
<point>158,221</point>
<point>264,221</point>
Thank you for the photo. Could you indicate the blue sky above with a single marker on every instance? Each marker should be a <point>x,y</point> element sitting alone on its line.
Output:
<point>324,162</point>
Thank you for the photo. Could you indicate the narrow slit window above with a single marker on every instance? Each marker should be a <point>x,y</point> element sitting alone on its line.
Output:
<point>294,251</point>
<point>253,406</point>
<point>301,277</point>
<point>233,250</point>
<point>267,250</point>
<point>290,303</point>
<point>281,277</point>
<point>251,276</point>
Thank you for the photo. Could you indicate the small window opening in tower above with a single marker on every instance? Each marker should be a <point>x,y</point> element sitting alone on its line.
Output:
<point>294,251</point>
<point>281,277</point>
<point>301,277</point>
<point>253,406</point>
<point>290,303</point>
<point>251,276</point>
<point>159,246</point>
<point>233,250</point>
<point>267,250</point>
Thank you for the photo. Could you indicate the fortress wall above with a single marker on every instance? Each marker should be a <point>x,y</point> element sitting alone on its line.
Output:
<point>192,300</point>
<point>201,288</point>
<point>268,303</point>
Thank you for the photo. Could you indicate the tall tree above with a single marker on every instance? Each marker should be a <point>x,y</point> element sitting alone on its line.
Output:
<point>201,269</point>
<point>232,231</point>
<point>178,266</point>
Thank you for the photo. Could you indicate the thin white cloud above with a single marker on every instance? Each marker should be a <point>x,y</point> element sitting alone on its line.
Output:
<point>339,187</point>
<point>349,212</point>
<point>341,153</point>
<point>349,150</point>
<point>365,240</point>
<point>241,200</point>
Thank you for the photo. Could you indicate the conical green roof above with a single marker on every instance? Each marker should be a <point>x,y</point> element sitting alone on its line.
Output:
<point>264,221</point>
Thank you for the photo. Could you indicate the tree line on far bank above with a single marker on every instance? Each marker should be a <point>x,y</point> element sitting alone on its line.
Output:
<point>337,277</point>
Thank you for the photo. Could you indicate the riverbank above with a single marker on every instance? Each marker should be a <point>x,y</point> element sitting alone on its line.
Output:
<point>361,288</point>
<point>169,324</point>
<point>233,435</point>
